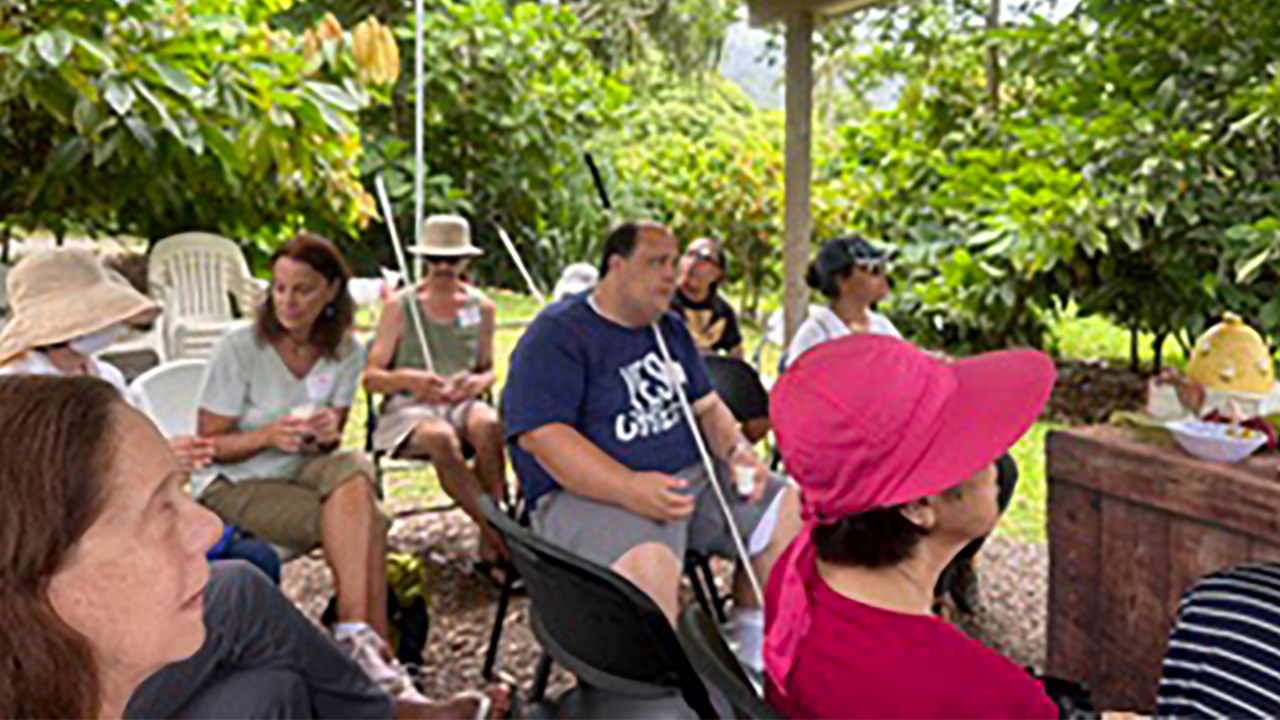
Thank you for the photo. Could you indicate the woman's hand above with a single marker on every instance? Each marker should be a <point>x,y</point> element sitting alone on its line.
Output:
<point>324,424</point>
<point>289,435</point>
<point>193,453</point>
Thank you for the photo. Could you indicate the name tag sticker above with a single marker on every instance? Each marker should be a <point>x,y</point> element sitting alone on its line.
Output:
<point>469,317</point>
<point>320,387</point>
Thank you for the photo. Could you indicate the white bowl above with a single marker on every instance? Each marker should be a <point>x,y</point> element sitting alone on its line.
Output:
<point>1213,441</point>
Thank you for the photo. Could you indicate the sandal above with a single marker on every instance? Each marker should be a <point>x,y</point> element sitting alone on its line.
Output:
<point>484,703</point>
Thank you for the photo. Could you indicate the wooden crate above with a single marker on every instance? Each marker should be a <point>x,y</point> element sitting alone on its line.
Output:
<point>1133,522</point>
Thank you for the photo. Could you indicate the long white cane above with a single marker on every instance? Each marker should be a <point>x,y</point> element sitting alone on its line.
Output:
<point>519,261</point>
<point>673,377</point>
<point>414,312</point>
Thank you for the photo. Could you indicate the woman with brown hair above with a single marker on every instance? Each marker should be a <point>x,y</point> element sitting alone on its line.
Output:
<point>275,401</point>
<point>109,607</point>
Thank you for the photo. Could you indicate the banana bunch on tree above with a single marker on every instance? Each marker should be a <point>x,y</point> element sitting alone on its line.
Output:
<point>375,51</point>
<point>373,48</point>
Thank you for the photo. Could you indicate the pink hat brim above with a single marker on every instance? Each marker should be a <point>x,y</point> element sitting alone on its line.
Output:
<point>998,397</point>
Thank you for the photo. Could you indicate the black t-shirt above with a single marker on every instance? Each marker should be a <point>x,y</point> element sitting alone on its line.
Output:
<point>712,322</point>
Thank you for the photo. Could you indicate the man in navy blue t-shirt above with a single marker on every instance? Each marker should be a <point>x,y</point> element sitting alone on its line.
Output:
<point>600,442</point>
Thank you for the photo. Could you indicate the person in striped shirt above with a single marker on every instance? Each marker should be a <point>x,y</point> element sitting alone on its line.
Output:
<point>1224,652</point>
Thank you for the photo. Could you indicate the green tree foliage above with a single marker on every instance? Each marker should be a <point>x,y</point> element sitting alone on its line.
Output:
<point>512,95</point>
<point>681,36</point>
<point>121,116</point>
<point>1129,167</point>
<point>705,161</point>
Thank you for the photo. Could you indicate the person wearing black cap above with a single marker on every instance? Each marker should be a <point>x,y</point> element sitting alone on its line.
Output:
<point>850,273</point>
<point>710,318</point>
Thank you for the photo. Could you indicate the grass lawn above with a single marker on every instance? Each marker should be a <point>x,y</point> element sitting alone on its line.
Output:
<point>415,483</point>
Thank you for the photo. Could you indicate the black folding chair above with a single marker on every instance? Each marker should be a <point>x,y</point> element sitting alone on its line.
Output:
<point>697,568</point>
<point>718,667</point>
<point>603,629</point>
<point>739,386</point>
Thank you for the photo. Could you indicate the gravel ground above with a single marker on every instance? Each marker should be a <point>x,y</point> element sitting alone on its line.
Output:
<point>1011,619</point>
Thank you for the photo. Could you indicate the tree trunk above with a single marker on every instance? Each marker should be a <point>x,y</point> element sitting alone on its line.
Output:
<point>1157,351</point>
<point>5,235</point>
<point>993,57</point>
<point>1133,348</point>
<point>1184,341</point>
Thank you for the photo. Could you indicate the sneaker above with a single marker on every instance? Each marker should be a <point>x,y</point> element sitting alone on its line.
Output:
<point>373,656</point>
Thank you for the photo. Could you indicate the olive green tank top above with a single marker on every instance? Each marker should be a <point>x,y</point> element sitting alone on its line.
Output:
<point>455,345</point>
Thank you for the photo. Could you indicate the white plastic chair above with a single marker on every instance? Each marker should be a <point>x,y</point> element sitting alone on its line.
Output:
<point>196,276</point>
<point>170,396</point>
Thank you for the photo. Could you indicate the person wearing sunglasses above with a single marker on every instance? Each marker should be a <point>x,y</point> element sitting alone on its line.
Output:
<point>711,319</point>
<point>851,273</point>
<point>440,413</point>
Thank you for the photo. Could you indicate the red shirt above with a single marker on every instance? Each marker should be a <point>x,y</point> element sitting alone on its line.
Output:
<point>858,661</point>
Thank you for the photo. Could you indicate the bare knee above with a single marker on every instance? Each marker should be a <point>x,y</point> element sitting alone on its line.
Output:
<point>435,440</point>
<point>655,570</point>
<point>357,491</point>
<point>484,427</point>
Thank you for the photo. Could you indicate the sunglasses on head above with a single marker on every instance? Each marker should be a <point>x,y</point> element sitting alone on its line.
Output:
<point>876,266</point>
<point>443,260</point>
<point>705,257</point>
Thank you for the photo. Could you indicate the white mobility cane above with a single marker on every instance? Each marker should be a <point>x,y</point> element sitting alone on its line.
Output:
<point>519,261</point>
<point>674,377</point>
<point>414,312</point>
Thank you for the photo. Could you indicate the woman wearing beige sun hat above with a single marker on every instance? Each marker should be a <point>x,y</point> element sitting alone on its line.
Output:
<point>65,310</point>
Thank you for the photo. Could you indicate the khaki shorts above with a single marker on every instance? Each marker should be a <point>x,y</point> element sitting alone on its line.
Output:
<point>287,512</point>
<point>401,418</point>
<point>603,533</point>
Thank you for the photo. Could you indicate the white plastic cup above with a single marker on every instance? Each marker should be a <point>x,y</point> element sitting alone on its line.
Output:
<point>744,477</point>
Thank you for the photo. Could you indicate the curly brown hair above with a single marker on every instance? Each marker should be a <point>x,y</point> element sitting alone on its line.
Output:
<point>53,491</point>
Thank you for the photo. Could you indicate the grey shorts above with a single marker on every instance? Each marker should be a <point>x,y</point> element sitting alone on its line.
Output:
<point>603,533</point>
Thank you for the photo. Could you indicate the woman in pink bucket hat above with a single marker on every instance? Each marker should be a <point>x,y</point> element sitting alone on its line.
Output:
<point>896,477</point>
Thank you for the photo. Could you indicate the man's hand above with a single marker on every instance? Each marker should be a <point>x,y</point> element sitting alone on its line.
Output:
<point>743,457</point>
<point>658,497</point>
<point>430,388</point>
<point>468,387</point>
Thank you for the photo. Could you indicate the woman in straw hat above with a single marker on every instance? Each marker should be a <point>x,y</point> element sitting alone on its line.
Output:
<point>436,410</point>
<point>67,309</point>
<point>896,477</point>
